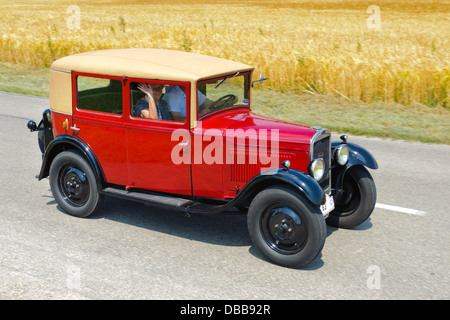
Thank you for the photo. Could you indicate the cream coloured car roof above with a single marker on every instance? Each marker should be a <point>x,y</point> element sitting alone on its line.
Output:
<point>150,64</point>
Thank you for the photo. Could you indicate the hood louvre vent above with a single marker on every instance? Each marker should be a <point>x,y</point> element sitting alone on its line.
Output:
<point>247,164</point>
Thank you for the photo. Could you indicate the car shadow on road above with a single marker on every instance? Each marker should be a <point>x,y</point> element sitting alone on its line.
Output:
<point>228,229</point>
<point>316,264</point>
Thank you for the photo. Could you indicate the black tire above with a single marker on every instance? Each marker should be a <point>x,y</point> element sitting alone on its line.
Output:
<point>285,227</point>
<point>357,201</point>
<point>74,184</point>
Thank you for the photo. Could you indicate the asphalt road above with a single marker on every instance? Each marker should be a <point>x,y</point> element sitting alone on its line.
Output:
<point>132,251</point>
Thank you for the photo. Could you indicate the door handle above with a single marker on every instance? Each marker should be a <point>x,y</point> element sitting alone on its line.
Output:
<point>183,144</point>
<point>75,128</point>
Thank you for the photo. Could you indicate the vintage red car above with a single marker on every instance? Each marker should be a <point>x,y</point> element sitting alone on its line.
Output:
<point>175,130</point>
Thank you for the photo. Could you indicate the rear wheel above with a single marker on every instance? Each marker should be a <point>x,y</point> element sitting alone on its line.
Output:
<point>357,201</point>
<point>285,227</point>
<point>74,184</point>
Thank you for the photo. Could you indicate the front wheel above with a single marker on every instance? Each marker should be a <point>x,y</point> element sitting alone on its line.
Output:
<point>285,227</point>
<point>357,201</point>
<point>74,184</point>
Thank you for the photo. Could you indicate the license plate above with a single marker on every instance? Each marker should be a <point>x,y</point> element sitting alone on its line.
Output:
<point>328,206</point>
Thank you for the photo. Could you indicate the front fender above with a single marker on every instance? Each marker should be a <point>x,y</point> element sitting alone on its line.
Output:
<point>300,181</point>
<point>357,156</point>
<point>361,156</point>
<point>65,142</point>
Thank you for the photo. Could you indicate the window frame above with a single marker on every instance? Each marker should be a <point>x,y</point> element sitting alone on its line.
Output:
<point>247,86</point>
<point>158,122</point>
<point>95,113</point>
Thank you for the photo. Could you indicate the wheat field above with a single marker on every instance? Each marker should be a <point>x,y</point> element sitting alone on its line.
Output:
<point>400,53</point>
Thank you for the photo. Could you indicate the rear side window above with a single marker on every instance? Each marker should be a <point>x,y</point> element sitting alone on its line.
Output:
<point>99,94</point>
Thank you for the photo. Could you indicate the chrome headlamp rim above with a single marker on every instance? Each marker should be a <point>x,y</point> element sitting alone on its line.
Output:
<point>317,168</point>
<point>341,154</point>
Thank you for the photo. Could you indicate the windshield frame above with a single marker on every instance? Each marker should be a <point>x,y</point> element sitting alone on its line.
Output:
<point>220,81</point>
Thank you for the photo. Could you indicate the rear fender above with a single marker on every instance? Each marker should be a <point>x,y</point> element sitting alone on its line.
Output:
<point>65,142</point>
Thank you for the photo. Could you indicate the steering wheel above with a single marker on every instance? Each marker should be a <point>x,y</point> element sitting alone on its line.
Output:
<point>224,102</point>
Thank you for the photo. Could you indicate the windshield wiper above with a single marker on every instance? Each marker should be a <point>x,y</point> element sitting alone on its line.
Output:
<point>220,83</point>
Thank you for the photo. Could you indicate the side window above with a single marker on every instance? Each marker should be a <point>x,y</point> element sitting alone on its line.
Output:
<point>156,100</point>
<point>99,94</point>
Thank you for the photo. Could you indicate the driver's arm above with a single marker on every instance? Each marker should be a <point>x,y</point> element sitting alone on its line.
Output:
<point>203,101</point>
<point>206,104</point>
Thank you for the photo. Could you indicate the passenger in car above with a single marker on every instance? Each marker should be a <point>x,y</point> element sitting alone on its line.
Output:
<point>151,106</point>
<point>175,97</point>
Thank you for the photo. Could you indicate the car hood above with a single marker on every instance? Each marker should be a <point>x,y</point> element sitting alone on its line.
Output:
<point>241,124</point>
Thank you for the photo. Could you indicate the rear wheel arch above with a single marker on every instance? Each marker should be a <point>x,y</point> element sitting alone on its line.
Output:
<point>65,143</point>
<point>74,183</point>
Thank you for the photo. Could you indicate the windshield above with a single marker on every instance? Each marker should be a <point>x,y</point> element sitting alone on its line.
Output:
<point>222,93</point>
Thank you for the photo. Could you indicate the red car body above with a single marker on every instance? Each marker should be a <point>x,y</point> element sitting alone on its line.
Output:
<point>218,156</point>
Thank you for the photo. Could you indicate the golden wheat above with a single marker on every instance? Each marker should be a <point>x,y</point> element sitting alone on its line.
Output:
<point>321,47</point>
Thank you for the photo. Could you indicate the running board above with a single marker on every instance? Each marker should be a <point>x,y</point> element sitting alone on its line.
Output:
<point>153,199</point>
<point>167,202</point>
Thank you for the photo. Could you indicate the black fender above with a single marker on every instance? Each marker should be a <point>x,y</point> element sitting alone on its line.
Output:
<point>357,156</point>
<point>65,142</point>
<point>44,129</point>
<point>300,181</point>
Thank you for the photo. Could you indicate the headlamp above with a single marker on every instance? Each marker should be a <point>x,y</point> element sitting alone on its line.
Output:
<point>317,169</point>
<point>341,154</point>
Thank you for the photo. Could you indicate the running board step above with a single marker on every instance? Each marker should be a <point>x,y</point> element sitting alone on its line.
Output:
<point>154,199</point>
<point>169,202</point>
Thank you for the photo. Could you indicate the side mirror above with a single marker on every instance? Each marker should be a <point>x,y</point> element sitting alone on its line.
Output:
<point>260,80</point>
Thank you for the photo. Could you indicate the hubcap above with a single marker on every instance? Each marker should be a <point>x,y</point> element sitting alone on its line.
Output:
<point>74,185</point>
<point>283,229</point>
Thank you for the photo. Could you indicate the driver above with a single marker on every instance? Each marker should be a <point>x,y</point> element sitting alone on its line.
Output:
<point>175,98</point>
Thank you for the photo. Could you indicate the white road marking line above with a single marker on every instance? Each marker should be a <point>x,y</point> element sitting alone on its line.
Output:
<point>400,209</point>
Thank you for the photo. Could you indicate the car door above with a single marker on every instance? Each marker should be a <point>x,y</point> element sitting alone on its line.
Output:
<point>99,120</point>
<point>154,146</point>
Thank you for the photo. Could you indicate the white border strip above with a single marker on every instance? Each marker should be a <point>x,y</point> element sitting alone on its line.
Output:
<point>400,209</point>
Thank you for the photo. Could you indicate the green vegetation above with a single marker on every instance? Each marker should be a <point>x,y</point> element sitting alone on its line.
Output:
<point>380,119</point>
<point>24,79</point>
